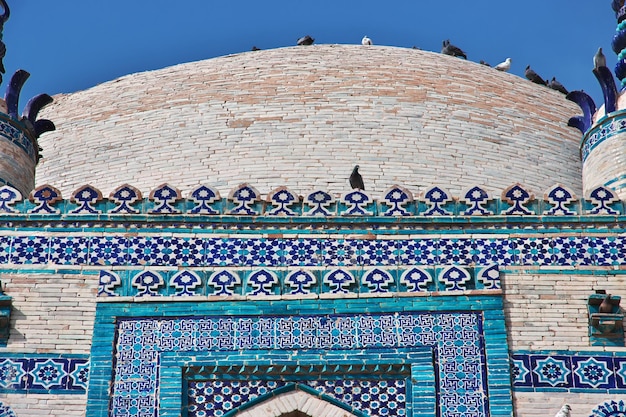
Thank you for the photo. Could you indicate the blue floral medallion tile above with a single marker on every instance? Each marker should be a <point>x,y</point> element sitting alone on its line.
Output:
<point>302,252</point>
<point>69,250</point>
<point>13,373</point>
<point>455,251</point>
<point>610,250</point>
<point>535,251</point>
<point>551,371</point>
<point>573,250</point>
<point>593,372</point>
<point>378,252</point>
<point>30,250</point>
<point>340,252</point>
<point>418,252</point>
<point>109,250</point>
<point>49,374</point>
<point>500,251</point>
<point>222,252</point>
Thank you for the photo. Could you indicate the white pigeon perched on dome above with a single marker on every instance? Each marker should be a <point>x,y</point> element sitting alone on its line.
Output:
<point>504,66</point>
<point>366,41</point>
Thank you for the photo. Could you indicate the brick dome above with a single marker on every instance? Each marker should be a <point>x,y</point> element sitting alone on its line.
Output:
<point>304,116</point>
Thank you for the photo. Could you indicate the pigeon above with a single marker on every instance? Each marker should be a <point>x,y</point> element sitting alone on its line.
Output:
<point>555,85</point>
<point>599,60</point>
<point>484,63</point>
<point>449,49</point>
<point>606,306</point>
<point>306,40</point>
<point>504,66</point>
<point>356,180</point>
<point>254,48</point>
<point>366,41</point>
<point>533,76</point>
<point>564,411</point>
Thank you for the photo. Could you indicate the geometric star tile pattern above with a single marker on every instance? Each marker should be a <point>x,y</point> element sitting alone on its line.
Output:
<point>114,250</point>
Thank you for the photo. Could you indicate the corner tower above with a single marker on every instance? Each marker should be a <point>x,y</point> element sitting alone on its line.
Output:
<point>19,148</point>
<point>603,146</point>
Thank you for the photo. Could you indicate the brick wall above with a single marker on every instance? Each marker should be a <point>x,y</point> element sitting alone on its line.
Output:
<point>303,117</point>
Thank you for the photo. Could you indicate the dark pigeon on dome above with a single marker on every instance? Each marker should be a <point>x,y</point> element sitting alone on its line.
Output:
<point>356,180</point>
<point>484,63</point>
<point>449,49</point>
<point>306,40</point>
<point>533,76</point>
<point>599,60</point>
<point>555,85</point>
<point>255,48</point>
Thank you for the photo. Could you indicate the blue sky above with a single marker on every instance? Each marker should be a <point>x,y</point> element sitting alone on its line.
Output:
<point>71,45</point>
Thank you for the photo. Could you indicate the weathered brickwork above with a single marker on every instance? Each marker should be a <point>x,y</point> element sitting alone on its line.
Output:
<point>303,117</point>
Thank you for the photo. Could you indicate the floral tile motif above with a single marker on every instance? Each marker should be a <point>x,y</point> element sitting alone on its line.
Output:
<point>13,373</point>
<point>302,252</point>
<point>48,374</point>
<point>495,251</point>
<point>340,252</point>
<point>593,372</point>
<point>30,250</point>
<point>69,250</point>
<point>535,250</point>
<point>551,371</point>
<point>573,251</point>
<point>222,252</point>
<point>378,252</point>
<point>456,251</point>
<point>188,251</point>
<point>610,250</point>
<point>418,252</point>
<point>108,250</point>
<point>565,372</point>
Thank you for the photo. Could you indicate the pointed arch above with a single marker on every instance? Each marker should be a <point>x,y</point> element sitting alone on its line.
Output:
<point>295,400</point>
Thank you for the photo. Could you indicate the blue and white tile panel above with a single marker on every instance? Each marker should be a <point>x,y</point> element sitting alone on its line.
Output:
<point>112,250</point>
<point>43,374</point>
<point>457,339</point>
<point>591,371</point>
<point>373,397</point>
<point>295,282</point>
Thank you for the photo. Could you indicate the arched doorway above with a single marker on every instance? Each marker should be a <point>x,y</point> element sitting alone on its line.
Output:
<point>297,400</point>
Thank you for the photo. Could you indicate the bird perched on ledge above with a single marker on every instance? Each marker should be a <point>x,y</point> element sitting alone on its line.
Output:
<point>366,41</point>
<point>533,76</point>
<point>306,40</point>
<point>504,66</point>
<point>564,411</point>
<point>356,180</point>
<point>599,60</point>
<point>555,85</point>
<point>449,49</point>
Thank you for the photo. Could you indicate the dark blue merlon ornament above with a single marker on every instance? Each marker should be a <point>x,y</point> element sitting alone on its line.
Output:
<point>587,105</point>
<point>619,9</point>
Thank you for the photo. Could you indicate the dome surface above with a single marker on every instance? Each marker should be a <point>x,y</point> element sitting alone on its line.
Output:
<point>304,116</point>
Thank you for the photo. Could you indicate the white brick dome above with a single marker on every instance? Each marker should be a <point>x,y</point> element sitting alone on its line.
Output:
<point>304,116</point>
